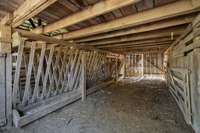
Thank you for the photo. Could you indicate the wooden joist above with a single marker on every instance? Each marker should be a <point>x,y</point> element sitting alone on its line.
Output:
<point>29,9</point>
<point>144,45</point>
<point>164,44</point>
<point>142,36</point>
<point>156,14</point>
<point>149,48</point>
<point>90,12</point>
<point>136,43</point>
<point>139,29</point>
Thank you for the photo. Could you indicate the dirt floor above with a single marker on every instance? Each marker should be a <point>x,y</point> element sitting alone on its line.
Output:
<point>129,106</point>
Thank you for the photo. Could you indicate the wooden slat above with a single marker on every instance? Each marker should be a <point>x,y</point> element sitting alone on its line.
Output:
<point>27,92</point>
<point>39,73</point>
<point>44,89</point>
<point>17,40</point>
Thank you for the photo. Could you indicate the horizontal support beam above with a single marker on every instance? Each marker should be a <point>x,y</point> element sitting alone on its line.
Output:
<point>146,45</point>
<point>54,41</point>
<point>142,36</point>
<point>37,37</point>
<point>153,48</point>
<point>29,9</point>
<point>143,28</point>
<point>156,14</point>
<point>136,43</point>
<point>100,8</point>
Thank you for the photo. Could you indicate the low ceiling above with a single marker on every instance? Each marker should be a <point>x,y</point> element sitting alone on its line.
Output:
<point>125,42</point>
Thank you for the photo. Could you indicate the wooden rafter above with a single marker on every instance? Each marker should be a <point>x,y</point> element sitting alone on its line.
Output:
<point>167,43</point>
<point>165,46</point>
<point>147,35</point>
<point>29,9</point>
<point>93,11</point>
<point>156,14</point>
<point>143,28</point>
<point>136,43</point>
<point>145,45</point>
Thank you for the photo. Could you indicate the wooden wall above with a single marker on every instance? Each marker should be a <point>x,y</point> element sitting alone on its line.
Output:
<point>183,73</point>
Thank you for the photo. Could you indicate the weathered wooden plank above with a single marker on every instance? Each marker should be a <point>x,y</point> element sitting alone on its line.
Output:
<point>27,92</point>
<point>39,71</point>
<point>44,89</point>
<point>18,41</point>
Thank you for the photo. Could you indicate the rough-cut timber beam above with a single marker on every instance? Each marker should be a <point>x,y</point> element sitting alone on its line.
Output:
<point>140,42</point>
<point>29,9</point>
<point>93,11</point>
<point>51,40</point>
<point>165,46</point>
<point>7,19</point>
<point>141,36</point>
<point>146,45</point>
<point>54,41</point>
<point>156,14</point>
<point>143,28</point>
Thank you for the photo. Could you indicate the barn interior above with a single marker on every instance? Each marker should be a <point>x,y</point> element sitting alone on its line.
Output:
<point>100,66</point>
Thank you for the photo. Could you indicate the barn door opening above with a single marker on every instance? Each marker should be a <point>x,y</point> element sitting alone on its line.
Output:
<point>149,64</point>
<point>134,65</point>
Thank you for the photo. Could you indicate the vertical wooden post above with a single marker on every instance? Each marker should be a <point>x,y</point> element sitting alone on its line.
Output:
<point>142,64</point>
<point>83,77</point>
<point>123,71</point>
<point>5,76</point>
<point>116,71</point>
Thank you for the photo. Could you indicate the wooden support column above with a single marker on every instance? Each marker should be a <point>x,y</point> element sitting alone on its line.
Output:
<point>5,76</point>
<point>142,64</point>
<point>83,77</point>
<point>116,71</point>
<point>123,71</point>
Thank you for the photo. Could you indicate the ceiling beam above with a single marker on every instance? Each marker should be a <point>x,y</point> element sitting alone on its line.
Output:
<point>146,45</point>
<point>90,12</point>
<point>29,9</point>
<point>167,11</point>
<point>141,36</point>
<point>143,28</point>
<point>133,43</point>
<point>141,48</point>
